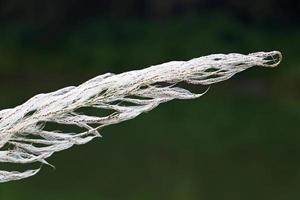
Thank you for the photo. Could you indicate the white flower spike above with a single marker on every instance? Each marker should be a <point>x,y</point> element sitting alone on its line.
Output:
<point>24,138</point>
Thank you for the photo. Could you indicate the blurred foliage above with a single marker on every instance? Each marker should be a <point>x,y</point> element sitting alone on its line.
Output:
<point>239,141</point>
<point>69,12</point>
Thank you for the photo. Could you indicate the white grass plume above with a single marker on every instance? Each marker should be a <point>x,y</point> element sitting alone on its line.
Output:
<point>24,139</point>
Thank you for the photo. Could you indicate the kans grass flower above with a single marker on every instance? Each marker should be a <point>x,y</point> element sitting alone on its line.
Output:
<point>24,138</point>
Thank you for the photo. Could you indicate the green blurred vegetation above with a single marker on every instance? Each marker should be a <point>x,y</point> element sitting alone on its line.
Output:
<point>239,141</point>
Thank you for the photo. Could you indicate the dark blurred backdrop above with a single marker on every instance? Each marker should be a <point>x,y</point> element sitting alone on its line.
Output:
<point>239,141</point>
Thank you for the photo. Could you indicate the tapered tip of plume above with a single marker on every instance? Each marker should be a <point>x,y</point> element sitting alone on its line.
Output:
<point>269,59</point>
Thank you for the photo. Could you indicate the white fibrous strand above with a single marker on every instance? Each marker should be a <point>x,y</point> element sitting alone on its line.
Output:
<point>25,139</point>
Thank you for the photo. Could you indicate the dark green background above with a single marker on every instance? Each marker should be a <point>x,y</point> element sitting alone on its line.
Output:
<point>239,141</point>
